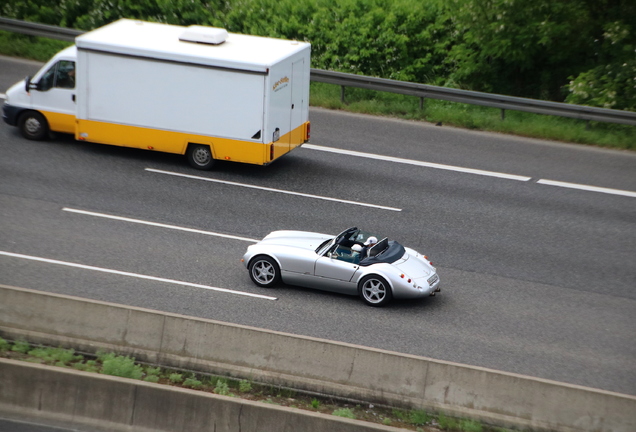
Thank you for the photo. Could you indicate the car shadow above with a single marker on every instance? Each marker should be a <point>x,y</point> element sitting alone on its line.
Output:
<point>401,305</point>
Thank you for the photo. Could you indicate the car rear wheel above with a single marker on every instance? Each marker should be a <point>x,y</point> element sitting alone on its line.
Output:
<point>200,156</point>
<point>33,126</point>
<point>264,271</point>
<point>375,290</point>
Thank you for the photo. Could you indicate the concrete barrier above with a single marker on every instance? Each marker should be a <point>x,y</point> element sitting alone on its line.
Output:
<point>313,364</point>
<point>89,401</point>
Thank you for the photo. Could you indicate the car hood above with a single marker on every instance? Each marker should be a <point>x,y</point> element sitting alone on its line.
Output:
<point>414,266</point>
<point>298,239</point>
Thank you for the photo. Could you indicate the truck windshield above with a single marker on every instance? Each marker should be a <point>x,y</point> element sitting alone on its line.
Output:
<point>60,75</point>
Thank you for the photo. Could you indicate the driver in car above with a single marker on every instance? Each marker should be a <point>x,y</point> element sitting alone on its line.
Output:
<point>364,250</point>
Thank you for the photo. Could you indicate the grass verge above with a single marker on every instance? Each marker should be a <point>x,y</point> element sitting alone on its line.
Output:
<point>474,117</point>
<point>407,107</point>
<point>29,47</point>
<point>127,367</point>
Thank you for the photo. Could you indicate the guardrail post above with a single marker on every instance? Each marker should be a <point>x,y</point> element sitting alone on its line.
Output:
<point>421,103</point>
<point>503,114</point>
<point>342,93</point>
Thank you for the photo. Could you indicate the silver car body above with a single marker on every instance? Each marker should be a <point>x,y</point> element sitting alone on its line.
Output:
<point>305,261</point>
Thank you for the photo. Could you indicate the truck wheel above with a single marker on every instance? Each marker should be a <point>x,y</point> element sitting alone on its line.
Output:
<point>33,126</point>
<point>200,156</point>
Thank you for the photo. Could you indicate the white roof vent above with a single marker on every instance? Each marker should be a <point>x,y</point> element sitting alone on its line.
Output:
<point>205,35</point>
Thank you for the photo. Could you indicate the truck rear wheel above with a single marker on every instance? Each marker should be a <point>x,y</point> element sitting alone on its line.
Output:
<point>200,156</point>
<point>33,125</point>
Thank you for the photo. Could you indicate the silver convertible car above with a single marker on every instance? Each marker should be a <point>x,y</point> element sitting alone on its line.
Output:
<point>349,263</point>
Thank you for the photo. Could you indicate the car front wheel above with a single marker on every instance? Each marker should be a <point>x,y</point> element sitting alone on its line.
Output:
<point>264,271</point>
<point>375,290</point>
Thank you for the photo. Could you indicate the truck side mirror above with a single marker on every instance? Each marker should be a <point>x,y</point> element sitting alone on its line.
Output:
<point>29,85</point>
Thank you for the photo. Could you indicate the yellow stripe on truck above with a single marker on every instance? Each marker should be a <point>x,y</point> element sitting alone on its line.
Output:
<point>177,142</point>
<point>290,141</point>
<point>59,122</point>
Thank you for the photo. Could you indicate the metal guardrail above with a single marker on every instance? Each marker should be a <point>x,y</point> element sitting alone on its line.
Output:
<point>392,86</point>
<point>475,98</point>
<point>42,30</point>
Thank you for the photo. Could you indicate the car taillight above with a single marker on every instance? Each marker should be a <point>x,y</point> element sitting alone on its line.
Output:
<point>402,276</point>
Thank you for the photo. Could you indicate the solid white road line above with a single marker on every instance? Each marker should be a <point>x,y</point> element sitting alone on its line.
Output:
<point>588,188</point>
<point>135,275</point>
<point>417,163</point>
<point>174,227</point>
<point>273,190</point>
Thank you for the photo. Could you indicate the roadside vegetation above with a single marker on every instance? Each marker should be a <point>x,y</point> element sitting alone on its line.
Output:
<point>108,363</point>
<point>444,113</point>
<point>576,51</point>
<point>406,107</point>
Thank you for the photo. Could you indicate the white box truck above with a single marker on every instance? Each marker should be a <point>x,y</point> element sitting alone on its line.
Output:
<point>198,91</point>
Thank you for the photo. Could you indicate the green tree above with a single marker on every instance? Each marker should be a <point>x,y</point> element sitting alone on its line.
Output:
<point>40,11</point>
<point>545,48</point>
<point>519,47</point>
<point>611,81</point>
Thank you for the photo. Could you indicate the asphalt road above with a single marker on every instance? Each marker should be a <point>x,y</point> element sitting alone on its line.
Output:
<point>537,279</point>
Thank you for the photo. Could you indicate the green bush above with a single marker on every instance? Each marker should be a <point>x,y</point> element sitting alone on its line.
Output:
<point>245,386</point>
<point>418,417</point>
<point>344,412</point>
<point>86,367</point>
<point>192,382</point>
<point>400,414</point>
<point>56,356</point>
<point>21,346</point>
<point>4,345</point>
<point>153,371</point>
<point>222,388</point>
<point>175,378</point>
<point>447,423</point>
<point>121,366</point>
<point>470,426</point>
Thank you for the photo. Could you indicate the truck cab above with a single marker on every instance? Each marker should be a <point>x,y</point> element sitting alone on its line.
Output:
<point>45,102</point>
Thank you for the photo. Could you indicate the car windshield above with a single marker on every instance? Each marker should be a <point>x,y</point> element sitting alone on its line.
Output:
<point>361,236</point>
<point>320,250</point>
<point>348,238</point>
